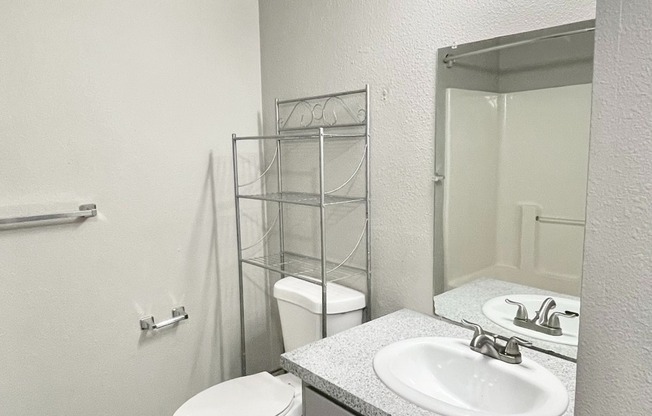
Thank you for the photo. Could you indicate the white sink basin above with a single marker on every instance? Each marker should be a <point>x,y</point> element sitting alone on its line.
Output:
<point>503,314</point>
<point>443,375</point>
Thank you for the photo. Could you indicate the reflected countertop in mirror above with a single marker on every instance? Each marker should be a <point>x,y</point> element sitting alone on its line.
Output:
<point>467,301</point>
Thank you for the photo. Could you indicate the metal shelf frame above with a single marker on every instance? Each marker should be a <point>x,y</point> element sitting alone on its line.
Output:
<point>306,268</point>
<point>307,199</point>
<point>323,118</point>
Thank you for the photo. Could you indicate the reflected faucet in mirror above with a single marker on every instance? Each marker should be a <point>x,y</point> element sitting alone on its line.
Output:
<point>543,321</point>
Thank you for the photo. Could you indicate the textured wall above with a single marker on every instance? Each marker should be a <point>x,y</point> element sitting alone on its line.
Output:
<point>616,321</point>
<point>321,46</point>
<point>120,103</point>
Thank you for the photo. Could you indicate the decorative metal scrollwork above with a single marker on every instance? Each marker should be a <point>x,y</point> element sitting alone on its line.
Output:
<point>330,111</point>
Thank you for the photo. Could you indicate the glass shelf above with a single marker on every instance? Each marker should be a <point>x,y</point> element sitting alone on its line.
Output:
<point>305,267</point>
<point>300,198</point>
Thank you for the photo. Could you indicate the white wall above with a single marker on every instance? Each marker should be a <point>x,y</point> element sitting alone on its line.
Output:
<point>614,373</point>
<point>120,103</point>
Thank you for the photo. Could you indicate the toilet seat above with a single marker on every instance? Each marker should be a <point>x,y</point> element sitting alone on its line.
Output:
<point>260,394</point>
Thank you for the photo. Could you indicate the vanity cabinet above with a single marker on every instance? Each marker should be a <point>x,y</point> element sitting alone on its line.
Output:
<point>316,403</point>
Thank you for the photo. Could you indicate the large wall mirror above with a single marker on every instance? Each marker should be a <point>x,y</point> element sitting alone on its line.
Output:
<point>512,140</point>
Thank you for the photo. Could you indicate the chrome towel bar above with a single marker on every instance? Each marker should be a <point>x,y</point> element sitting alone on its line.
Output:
<point>85,211</point>
<point>178,314</point>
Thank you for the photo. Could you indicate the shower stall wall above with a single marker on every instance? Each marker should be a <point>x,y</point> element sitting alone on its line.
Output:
<point>515,190</point>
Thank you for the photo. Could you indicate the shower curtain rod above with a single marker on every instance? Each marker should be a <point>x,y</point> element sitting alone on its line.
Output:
<point>449,59</point>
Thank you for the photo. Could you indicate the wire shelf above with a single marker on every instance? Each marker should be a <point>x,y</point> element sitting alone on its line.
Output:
<point>321,118</point>
<point>300,198</point>
<point>305,267</point>
<point>311,134</point>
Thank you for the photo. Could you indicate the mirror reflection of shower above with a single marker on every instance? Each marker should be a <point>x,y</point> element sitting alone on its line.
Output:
<point>515,160</point>
<point>524,156</point>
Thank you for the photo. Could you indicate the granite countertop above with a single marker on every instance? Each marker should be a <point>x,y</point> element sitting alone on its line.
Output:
<point>341,366</point>
<point>465,302</point>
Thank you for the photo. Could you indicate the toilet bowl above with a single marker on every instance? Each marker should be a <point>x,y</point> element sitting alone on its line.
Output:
<point>262,394</point>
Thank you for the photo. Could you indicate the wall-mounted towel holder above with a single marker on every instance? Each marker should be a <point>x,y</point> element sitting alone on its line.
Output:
<point>85,211</point>
<point>178,315</point>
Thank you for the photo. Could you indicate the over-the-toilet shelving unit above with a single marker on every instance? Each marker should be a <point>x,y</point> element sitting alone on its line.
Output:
<point>324,119</point>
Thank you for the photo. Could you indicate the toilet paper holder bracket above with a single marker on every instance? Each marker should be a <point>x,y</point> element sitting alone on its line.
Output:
<point>148,322</point>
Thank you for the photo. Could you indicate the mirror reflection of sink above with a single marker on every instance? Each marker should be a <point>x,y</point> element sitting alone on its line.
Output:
<point>443,375</point>
<point>503,314</point>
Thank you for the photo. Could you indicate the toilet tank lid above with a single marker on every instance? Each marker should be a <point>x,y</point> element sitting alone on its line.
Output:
<point>339,299</point>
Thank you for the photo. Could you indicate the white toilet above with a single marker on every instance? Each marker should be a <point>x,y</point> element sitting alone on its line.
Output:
<point>299,305</point>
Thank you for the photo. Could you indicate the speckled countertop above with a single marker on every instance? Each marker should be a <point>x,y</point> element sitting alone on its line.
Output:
<point>341,366</point>
<point>465,302</point>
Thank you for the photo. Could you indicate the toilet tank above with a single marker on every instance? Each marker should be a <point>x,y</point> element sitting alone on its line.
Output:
<point>299,306</point>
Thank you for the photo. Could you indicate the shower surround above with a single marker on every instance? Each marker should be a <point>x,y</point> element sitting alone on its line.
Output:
<point>511,158</point>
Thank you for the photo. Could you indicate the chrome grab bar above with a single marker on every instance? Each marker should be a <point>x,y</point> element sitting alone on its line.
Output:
<point>85,211</point>
<point>562,221</point>
<point>178,314</point>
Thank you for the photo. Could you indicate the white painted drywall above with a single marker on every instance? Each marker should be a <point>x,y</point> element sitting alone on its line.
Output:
<point>120,103</point>
<point>614,371</point>
<point>323,46</point>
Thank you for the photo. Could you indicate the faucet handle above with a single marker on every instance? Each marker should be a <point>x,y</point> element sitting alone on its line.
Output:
<point>521,313</point>
<point>477,329</point>
<point>512,347</point>
<point>553,321</point>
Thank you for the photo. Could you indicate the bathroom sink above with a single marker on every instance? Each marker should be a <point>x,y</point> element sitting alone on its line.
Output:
<point>443,375</point>
<point>503,314</point>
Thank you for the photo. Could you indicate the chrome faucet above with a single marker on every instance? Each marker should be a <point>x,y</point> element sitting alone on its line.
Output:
<point>488,345</point>
<point>543,321</point>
